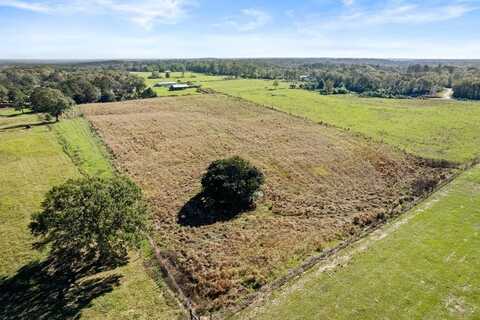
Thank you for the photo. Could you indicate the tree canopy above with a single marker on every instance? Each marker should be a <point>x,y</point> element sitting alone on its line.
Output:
<point>92,216</point>
<point>51,101</point>
<point>232,182</point>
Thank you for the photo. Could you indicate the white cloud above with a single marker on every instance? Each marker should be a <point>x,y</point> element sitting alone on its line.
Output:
<point>412,13</point>
<point>145,13</point>
<point>36,7</point>
<point>249,20</point>
<point>348,3</point>
<point>397,12</point>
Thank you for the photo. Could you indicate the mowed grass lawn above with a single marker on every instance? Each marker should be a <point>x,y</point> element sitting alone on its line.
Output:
<point>31,162</point>
<point>428,268</point>
<point>439,129</point>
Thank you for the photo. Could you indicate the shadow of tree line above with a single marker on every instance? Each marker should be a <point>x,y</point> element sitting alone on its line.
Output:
<point>54,289</point>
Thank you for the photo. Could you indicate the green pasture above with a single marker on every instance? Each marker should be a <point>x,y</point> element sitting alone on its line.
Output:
<point>428,268</point>
<point>431,128</point>
<point>31,162</point>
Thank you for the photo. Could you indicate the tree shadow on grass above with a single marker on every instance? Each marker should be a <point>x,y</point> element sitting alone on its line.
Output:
<point>16,114</point>
<point>25,126</point>
<point>51,290</point>
<point>199,212</point>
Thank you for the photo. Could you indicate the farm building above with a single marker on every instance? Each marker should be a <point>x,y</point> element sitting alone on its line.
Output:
<point>305,78</point>
<point>179,86</point>
<point>165,84</point>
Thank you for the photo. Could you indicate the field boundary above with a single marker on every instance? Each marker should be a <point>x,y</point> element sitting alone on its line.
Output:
<point>314,261</point>
<point>169,279</point>
<point>169,290</point>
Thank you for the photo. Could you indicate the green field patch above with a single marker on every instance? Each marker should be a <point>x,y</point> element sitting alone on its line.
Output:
<point>439,129</point>
<point>195,78</point>
<point>85,149</point>
<point>427,268</point>
<point>32,161</point>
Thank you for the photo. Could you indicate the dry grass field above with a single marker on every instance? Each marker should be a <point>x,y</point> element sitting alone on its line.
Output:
<point>322,186</point>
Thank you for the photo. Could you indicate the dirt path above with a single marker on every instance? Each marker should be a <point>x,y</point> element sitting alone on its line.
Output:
<point>447,94</point>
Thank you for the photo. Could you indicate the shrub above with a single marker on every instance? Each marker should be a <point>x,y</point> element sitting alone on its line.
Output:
<point>232,183</point>
<point>424,185</point>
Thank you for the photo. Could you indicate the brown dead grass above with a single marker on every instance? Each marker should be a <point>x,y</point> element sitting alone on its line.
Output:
<point>322,186</point>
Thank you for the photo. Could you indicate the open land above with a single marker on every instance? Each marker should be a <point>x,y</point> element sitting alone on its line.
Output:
<point>323,186</point>
<point>429,128</point>
<point>423,266</point>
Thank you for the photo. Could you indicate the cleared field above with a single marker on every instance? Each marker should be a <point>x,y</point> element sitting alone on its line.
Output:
<point>439,129</point>
<point>322,186</point>
<point>31,162</point>
<point>427,268</point>
<point>29,166</point>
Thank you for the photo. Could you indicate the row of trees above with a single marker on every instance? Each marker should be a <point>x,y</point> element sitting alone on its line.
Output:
<point>111,81</point>
<point>330,76</point>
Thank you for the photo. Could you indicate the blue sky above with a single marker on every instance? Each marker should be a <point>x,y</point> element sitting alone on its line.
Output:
<point>104,29</point>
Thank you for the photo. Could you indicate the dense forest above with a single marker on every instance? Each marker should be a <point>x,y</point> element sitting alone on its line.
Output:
<point>22,86</point>
<point>110,81</point>
<point>368,77</point>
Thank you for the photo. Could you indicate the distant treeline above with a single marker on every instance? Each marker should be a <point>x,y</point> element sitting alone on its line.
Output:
<point>379,78</point>
<point>467,89</point>
<point>19,86</point>
<point>110,80</point>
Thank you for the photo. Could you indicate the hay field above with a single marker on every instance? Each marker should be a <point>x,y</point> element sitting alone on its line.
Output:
<point>323,185</point>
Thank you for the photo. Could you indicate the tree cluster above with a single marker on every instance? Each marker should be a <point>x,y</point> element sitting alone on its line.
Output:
<point>45,88</point>
<point>467,89</point>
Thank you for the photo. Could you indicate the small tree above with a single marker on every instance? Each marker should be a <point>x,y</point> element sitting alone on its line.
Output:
<point>51,101</point>
<point>329,86</point>
<point>18,99</point>
<point>155,75</point>
<point>232,183</point>
<point>92,217</point>
<point>275,84</point>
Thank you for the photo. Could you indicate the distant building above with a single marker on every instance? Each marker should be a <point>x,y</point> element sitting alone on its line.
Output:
<point>180,86</point>
<point>305,78</point>
<point>167,74</point>
<point>166,84</point>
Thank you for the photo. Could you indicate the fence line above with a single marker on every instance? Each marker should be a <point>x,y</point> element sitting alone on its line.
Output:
<point>165,267</point>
